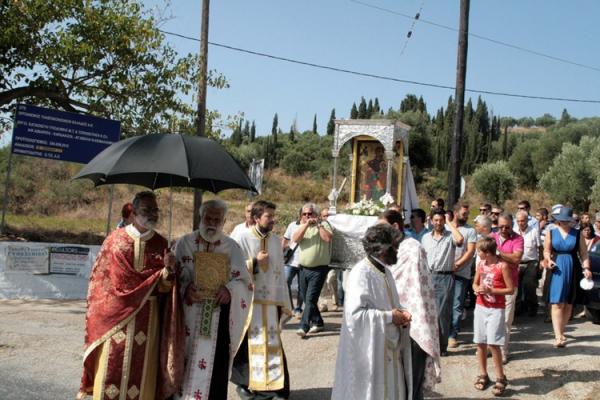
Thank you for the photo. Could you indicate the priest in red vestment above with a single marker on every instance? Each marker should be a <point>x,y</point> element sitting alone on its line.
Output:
<point>134,334</point>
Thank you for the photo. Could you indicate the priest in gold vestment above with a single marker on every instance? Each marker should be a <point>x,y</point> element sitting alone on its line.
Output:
<point>259,368</point>
<point>134,333</point>
<point>217,291</point>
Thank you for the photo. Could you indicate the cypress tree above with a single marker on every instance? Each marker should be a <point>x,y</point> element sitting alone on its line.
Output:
<point>376,107</point>
<point>315,124</point>
<point>275,124</point>
<point>246,131</point>
<point>331,123</point>
<point>362,109</point>
<point>252,132</point>
<point>274,129</point>
<point>353,112</point>
<point>292,133</point>
<point>370,109</point>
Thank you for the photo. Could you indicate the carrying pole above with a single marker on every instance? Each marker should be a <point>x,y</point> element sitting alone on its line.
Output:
<point>110,203</point>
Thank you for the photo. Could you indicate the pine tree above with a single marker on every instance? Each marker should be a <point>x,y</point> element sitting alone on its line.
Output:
<point>331,123</point>
<point>252,132</point>
<point>315,124</point>
<point>353,112</point>
<point>362,109</point>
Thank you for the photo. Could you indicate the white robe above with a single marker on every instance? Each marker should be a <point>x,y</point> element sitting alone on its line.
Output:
<point>372,350</point>
<point>270,292</point>
<point>200,350</point>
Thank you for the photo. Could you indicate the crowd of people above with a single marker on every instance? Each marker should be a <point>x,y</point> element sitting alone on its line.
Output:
<point>181,322</point>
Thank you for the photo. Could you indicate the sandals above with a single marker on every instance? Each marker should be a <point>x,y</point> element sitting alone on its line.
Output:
<point>560,343</point>
<point>482,382</point>
<point>500,386</point>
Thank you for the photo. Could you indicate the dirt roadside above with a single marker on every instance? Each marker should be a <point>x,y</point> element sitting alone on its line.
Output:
<point>41,346</point>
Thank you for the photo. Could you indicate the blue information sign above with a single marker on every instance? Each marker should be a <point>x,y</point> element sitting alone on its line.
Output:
<point>59,135</point>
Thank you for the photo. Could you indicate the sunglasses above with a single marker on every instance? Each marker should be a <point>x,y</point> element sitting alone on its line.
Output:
<point>495,213</point>
<point>483,209</point>
<point>504,227</point>
<point>308,214</point>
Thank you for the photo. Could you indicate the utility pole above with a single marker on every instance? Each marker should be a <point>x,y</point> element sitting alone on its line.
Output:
<point>459,99</point>
<point>201,121</point>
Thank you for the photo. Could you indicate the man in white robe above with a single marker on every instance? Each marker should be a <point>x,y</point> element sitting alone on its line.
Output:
<point>259,368</point>
<point>374,355</point>
<point>416,293</point>
<point>217,291</point>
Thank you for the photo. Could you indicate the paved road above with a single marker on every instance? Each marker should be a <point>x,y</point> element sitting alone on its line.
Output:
<point>41,345</point>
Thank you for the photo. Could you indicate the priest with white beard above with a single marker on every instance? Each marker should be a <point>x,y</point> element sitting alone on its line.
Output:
<point>374,357</point>
<point>217,291</point>
<point>259,368</point>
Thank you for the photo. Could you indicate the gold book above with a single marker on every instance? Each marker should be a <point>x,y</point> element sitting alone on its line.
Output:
<point>212,272</point>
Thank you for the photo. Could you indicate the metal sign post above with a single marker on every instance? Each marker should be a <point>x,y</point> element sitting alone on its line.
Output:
<point>5,204</point>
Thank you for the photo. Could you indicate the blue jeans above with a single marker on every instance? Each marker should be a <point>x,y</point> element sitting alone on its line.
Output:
<point>311,283</point>
<point>458,304</point>
<point>290,273</point>
<point>443,285</point>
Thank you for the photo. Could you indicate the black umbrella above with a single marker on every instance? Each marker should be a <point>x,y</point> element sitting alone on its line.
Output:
<point>164,160</point>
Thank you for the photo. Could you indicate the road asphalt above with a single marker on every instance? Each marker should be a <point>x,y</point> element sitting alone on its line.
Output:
<point>41,346</point>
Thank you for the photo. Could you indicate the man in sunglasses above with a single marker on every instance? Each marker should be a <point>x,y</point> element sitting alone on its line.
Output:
<point>314,238</point>
<point>496,211</point>
<point>510,247</point>
<point>531,221</point>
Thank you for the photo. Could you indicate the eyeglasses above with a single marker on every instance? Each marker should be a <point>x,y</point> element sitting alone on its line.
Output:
<point>307,214</point>
<point>483,209</point>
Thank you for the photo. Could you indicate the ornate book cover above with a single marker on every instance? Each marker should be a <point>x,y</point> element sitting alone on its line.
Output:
<point>212,271</point>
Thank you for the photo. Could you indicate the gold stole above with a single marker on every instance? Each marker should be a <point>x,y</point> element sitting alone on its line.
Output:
<point>264,339</point>
<point>211,271</point>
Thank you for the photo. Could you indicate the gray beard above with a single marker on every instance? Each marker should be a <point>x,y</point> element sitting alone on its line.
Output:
<point>212,235</point>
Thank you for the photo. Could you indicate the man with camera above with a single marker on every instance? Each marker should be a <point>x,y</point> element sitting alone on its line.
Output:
<point>314,238</point>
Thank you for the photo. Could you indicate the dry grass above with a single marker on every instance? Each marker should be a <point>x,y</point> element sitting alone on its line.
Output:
<point>86,222</point>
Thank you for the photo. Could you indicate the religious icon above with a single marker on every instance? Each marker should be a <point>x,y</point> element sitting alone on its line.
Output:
<point>370,169</point>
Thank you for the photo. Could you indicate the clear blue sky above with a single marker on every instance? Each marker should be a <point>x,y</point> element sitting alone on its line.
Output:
<point>344,34</point>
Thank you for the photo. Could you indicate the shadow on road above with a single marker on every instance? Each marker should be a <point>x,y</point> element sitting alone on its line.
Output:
<point>311,394</point>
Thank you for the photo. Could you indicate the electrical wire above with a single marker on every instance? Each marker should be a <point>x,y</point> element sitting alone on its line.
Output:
<point>498,42</point>
<point>412,28</point>
<point>381,77</point>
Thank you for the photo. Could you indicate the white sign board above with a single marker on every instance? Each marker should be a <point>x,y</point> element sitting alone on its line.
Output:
<point>69,260</point>
<point>27,259</point>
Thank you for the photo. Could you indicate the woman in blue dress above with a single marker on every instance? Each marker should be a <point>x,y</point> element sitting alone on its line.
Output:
<point>566,260</point>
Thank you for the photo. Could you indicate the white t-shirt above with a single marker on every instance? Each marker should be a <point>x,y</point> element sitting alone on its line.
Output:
<point>292,227</point>
<point>531,243</point>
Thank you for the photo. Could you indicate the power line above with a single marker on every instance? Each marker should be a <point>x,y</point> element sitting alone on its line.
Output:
<point>498,42</point>
<point>380,77</point>
<point>412,28</point>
